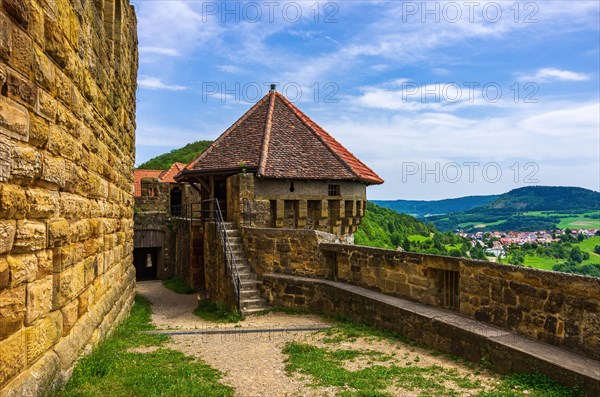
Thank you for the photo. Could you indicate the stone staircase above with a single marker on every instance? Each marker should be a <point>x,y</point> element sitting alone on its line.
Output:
<point>250,299</point>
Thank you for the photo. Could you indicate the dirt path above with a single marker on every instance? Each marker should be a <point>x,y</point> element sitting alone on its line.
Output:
<point>253,362</point>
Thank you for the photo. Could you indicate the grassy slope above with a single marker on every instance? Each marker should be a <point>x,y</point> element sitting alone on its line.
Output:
<point>384,228</point>
<point>113,369</point>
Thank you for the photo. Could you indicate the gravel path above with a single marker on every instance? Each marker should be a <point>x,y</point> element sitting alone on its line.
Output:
<point>253,362</point>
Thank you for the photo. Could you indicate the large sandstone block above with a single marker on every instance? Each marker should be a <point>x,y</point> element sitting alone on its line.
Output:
<point>58,233</point>
<point>43,204</point>
<point>5,37</point>
<point>43,335</point>
<point>22,51</point>
<point>4,272</point>
<point>13,203</point>
<point>67,285</point>
<point>30,236</point>
<point>14,119</point>
<point>12,310</point>
<point>39,299</point>
<point>23,268</point>
<point>7,235</point>
<point>54,170</point>
<point>26,162</point>
<point>13,357</point>
<point>70,314</point>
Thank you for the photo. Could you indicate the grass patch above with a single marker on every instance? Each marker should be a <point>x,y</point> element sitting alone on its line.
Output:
<point>217,313</point>
<point>177,285</point>
<point>326,368</point>
<point>531,385</point>
<point>113,370</point>
<point>384,372</point>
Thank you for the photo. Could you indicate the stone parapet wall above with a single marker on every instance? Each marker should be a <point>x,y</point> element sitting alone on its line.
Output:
<point>437,328</point>
<point>557,308</point>
<point>67,133</point>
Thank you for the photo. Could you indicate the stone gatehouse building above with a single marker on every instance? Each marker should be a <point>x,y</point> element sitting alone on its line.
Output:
<point>276,168</point>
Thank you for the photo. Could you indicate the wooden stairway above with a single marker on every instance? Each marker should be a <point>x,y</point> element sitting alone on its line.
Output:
<point>250,298</point>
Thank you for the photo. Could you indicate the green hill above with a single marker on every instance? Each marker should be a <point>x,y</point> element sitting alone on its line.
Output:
<point>384,228</point>
<point>528,209</point>
<point>423,208</point>
<point>183,155</point>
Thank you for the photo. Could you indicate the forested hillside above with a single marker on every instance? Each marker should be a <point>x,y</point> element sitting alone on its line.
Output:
<point>183,155</point>
<point>384,228</point>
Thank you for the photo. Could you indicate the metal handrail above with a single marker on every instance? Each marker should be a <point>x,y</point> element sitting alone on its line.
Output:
<point>230,262</point>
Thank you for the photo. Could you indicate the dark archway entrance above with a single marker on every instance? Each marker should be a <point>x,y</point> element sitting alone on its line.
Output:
<point>145,261</point>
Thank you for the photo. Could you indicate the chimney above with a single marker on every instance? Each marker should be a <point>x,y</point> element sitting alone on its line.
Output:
<point>273,87</point>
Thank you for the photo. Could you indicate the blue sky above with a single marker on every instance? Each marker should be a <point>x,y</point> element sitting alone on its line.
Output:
<point>441,99</point>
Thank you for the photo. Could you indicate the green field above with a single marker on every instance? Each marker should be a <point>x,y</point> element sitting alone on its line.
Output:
<point>479,225</point>
<point>417,237</point>
<point>588,246</point>
<point>540,262</point>
<point>570,220</point>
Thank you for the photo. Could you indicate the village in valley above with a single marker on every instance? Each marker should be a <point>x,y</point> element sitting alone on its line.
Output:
<point>497,243</point>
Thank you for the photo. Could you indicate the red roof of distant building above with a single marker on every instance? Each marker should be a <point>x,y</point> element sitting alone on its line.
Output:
<point>169,175</point>
<point>277,140</point>
<point>162,175</point>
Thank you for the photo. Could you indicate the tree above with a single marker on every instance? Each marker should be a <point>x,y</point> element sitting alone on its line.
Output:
<point>580,237</point>
<point>597,249</point>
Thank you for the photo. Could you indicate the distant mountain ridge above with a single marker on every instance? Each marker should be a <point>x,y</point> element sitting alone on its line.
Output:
<point>547,198</point>
<point>422,208</point>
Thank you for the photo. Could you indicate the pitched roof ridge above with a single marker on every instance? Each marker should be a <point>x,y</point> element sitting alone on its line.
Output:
<point>266,135</point>
<point>308,122</point>
<point>326,138</point>
<point>226,133</point>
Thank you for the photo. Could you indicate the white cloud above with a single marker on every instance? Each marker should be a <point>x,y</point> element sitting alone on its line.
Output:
<point>154,83</point>
<point>550,74</point>
<point>172,52</point>
<point>230,69</point>
<point>559,138</point>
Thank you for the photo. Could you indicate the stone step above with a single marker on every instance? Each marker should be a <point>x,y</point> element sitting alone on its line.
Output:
<point>247,276</point>
<point>232,233</point>
<point>234,239</point>
<point>247,304</point>
<point>255,310</point>
<point>229,225</point>
<point>250,294</point>
<point>249,285</point>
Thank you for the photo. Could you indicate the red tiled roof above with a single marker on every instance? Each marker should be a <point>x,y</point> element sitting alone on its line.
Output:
<point>278,140</point>
<point>169,175</point>
<point>162,175</point>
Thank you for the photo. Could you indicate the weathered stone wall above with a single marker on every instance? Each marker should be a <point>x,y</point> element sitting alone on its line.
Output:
<point>219,286</point>
<point>286,251</point>
<point>67,118</point>
<point>561,309</point>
